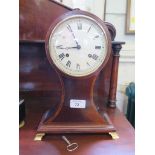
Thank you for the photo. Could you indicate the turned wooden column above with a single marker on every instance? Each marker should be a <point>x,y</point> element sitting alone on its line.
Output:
<point>116,47</point>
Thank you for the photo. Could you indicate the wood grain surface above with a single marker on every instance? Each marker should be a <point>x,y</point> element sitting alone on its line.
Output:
<point>89,144</point>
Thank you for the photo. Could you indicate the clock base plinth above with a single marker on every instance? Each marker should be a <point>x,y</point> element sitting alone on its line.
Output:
<point>68,118</point>
<point>55,127</point>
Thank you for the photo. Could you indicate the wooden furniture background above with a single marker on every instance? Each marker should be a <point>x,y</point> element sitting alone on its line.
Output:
<point>89,144</point>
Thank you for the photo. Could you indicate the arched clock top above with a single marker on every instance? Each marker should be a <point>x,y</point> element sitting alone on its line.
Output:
<point>78,44</point>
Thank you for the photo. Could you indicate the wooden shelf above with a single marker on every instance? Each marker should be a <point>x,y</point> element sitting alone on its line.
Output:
<point>89,144</point>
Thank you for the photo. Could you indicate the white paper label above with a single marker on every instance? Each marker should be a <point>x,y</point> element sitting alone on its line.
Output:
<point>77,103</point>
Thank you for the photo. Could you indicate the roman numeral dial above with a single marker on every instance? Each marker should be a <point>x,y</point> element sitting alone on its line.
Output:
<point>77,66</point>
<point>62,56</point>
<point>93,56</point>
<point>68,64</point>
<point>69,28</point>
<point>76,46</point>
<point>97,47</point>
<point>79,25</point>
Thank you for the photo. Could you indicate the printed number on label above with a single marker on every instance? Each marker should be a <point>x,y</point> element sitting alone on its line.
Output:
<point>77,103</point>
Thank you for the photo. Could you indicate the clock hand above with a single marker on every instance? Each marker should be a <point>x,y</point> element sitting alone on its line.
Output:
<point>70,29</point>
<point>60,47</point>
<point>75,39</point>
<point>78,47</point>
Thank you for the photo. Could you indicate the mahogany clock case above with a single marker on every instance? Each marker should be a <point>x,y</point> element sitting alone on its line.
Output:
<point>75,120</point>
<point>38,80</point>
<point>78,12</point>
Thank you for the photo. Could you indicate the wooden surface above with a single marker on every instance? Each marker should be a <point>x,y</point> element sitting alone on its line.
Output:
<point>75,120</point>
<point>116,47</point>
<point>89,144</point>
<point>36,17</point>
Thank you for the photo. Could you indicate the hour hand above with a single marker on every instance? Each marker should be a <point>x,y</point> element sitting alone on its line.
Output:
<point>60,47</point>
<point>77,47</point>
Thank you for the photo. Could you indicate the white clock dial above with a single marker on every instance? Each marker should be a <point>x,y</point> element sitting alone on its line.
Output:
<point>78,45</point>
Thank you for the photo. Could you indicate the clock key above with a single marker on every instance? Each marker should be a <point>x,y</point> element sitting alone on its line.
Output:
<point>70,146</point>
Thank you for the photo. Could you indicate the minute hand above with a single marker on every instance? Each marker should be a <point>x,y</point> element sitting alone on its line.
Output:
<point>70,29</point>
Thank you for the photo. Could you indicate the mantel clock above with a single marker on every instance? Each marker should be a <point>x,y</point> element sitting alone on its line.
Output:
<point>78,46</point>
